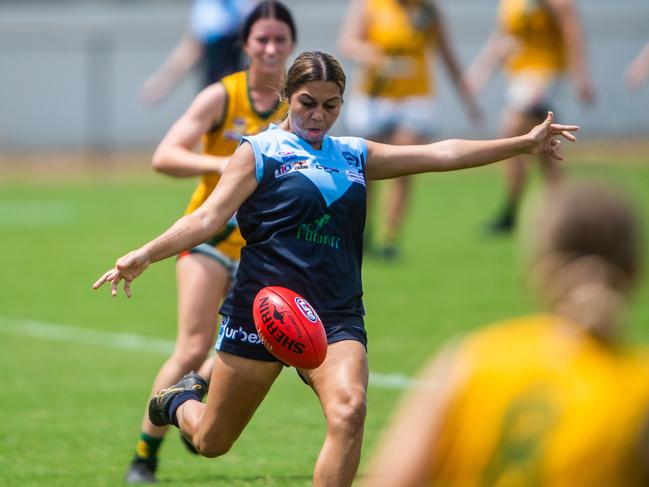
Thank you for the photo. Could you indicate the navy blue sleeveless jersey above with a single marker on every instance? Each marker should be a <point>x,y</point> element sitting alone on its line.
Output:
<point>303,225</point>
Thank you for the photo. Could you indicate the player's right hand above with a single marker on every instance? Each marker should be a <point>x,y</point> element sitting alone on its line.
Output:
<point>126,268</point>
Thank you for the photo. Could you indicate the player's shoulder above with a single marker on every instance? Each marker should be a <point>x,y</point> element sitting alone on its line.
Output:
<point>273,141</point>
<point>272,133</point>
<point>211,93</point>
<point>209,102</point>
<point>347,142</point>
<point>516,331</point>
<point>235,81</point>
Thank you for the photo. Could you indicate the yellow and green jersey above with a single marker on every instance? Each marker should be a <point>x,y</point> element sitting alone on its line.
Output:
<point>543,403</point>
<point>540,42</point>
<point>240,119</point>
<point>404,35</point>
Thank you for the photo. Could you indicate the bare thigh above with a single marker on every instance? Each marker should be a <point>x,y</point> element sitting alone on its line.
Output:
<point>202,283</point>
<point>342,377</point>
<point>237,388</point>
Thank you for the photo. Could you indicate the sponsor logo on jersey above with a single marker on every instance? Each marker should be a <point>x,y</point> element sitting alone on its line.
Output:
<point>306,310</point>
<point>326,169</point>
<point>314,232</point>
<point>237,130</point>
<point>238,335</point>
<point>351,159</point>
<point>288,156</point>
<point>355,177</point>
<point>289,167</point>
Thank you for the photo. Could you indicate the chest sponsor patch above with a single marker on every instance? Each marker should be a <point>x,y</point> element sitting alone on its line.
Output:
<point>355,177</point>
<point>291,156</point>
<point>289,167</point>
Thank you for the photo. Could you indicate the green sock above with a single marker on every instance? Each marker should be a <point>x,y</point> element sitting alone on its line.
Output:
<point>147,448</point>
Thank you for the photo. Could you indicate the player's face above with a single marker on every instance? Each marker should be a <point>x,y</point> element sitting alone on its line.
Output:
<point>313,109</point>
<point>268,45</point>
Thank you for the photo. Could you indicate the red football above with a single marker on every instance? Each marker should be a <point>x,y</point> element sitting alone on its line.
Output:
<point>289,327</point>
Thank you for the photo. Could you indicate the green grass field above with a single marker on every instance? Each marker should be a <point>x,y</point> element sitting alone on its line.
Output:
<point>76,365</point>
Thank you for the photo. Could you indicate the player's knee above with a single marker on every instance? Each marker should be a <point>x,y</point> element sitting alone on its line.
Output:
<point>190,361</point>
<point>191,355</point>
<point>347,416</point>
<point>212,448</point>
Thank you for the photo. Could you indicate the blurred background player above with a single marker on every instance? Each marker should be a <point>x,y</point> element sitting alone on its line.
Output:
<point>539,41</point>
<point>243,103</point>
<point>213,41</point>
<point>638,70</point>
<point>394,101</point>
<point>553,399</point>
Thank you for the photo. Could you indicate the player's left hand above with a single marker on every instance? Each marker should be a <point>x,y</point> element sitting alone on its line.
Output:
<point>544,137</point>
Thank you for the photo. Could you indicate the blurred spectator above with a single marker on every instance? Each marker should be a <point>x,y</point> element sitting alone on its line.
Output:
<point>549,400</point>
<point>213,41</point>
<point>539,42</point>
<point>638,70</point>
<point>395,100</point>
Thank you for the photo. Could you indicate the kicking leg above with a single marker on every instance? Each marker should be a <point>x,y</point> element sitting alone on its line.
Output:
<point>237,388</point>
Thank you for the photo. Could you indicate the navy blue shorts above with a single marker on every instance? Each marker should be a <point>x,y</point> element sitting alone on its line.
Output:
<point>239,337</point>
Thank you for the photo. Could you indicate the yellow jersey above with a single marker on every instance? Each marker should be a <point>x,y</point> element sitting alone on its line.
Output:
<point>404,35</point>
<point>540,45</point>
<point>240,119</point>
<point>544,404</point>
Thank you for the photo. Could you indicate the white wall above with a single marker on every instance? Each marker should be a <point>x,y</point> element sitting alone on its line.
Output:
<point>70,72</point>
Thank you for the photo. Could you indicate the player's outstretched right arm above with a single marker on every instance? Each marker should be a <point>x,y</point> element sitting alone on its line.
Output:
<point>496,49</point>
<point>238,182</point>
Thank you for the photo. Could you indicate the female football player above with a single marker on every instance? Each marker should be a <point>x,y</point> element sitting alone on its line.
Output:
<point>394,102</point>
<point>552,399</point>
<point>243,103</point>
<point>291,175</point>
<point>540,42</point>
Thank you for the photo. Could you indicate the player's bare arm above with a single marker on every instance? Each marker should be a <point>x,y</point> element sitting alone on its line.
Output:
<point>453,154</point>
<point>498,46</point>
<point>237,183</point>
<point>638,70</point>
<point>453,66</point>
<point>175,155</point>
<point>573,33</point>
<point>353,42</point>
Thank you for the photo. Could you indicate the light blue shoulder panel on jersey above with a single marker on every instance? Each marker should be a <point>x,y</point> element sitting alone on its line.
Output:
<point>333,169</point>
